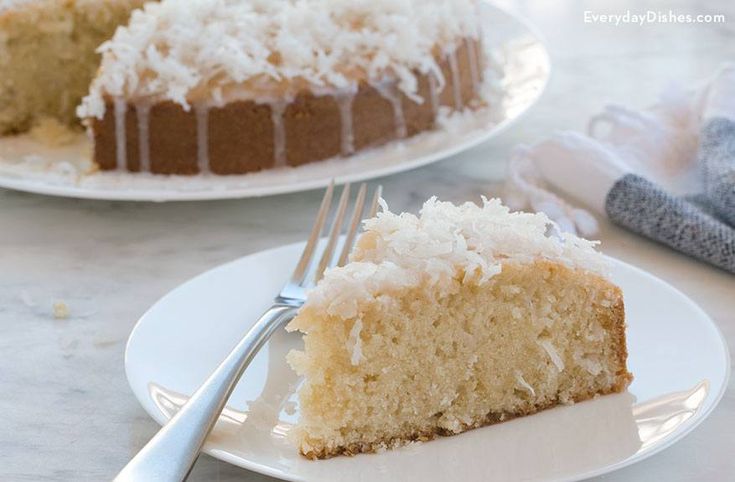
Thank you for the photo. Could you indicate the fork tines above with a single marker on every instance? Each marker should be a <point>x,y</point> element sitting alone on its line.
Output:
<point>308,264</point>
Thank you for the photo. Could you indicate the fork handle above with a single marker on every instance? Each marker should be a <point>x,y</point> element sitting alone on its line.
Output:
<point>170,455</point>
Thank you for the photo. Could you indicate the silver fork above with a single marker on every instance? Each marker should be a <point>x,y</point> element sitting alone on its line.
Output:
<point>171,454</point>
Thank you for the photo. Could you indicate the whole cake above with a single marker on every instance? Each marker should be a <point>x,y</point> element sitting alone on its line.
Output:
<point>462,317</point>
<point>233,86</point>
<point>47,56</point>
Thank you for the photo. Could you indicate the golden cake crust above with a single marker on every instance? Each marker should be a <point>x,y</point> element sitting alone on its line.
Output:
<point>241,135</point>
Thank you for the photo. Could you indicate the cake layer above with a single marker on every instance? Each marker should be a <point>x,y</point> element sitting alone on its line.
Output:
<point>412,366</point>
<point>47,56</point>
<point>248,135</point>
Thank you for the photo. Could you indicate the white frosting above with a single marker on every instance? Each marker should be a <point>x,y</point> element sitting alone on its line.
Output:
<point>176,50</point>
<point>445,244</point>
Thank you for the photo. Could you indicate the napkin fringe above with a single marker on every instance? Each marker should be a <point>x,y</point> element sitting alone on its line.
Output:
<point>525,189</point>
<point>659,143</point>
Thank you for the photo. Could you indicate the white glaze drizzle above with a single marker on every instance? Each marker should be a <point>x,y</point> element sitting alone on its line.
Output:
<point>121,155</point>
<point>143,111</point>
<point>456,88</point>
<point>474,67</point>
<point>279,133</point>
<point>344,103</point>
<point>202,114</point>
<point>390,92</point>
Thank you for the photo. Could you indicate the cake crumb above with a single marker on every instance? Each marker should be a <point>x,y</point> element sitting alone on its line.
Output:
<point>27,299</point>
<point>52,132</point>
<point>61,310</point>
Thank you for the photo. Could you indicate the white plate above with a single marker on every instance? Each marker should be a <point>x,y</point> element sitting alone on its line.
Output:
<point>515,48</point>
<point>677,355</point>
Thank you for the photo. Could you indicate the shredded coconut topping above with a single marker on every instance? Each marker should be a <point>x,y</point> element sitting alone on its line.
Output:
<point>176,50</point>
<point>523,383</point>
<point>553,354</point>
<point>355,342</point>
<point>444,245</point>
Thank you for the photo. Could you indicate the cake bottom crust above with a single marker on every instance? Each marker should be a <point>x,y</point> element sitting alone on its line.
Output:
<point>491,418</point>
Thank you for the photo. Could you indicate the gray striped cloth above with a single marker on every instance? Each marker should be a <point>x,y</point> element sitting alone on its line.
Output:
<point>705,233</point>
<point>717,162</point>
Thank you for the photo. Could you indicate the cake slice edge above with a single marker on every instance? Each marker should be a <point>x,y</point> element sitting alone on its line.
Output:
<point>329,364</point>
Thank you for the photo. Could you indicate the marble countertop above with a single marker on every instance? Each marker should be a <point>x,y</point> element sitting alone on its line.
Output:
<point>67,411</point>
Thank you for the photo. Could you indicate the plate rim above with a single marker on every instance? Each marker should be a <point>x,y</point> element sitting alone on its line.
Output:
<point>267,470</point>
<point>35,186</point>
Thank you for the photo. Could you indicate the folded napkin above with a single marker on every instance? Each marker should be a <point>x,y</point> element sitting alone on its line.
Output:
<point>667,173</point>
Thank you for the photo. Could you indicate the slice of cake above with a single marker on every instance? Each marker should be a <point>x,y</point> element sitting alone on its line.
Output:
<point>47,56</point>
<point>462,317</point>
<point>231,86</point>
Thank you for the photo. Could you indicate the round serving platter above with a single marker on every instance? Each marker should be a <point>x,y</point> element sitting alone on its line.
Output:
<point>519,66</point>
<point>676,353</point>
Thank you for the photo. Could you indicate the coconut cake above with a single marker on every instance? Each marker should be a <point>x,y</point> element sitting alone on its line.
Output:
<point>48,58</point>
<point>231,86</point>
<point>457,318</point>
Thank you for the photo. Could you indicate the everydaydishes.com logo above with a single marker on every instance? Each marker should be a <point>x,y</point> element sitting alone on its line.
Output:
<point>650,16</point>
